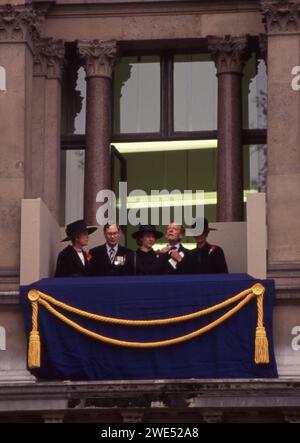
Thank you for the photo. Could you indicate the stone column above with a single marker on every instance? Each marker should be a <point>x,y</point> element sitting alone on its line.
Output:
<point>100,58</point>
<point>46,120</point>
<point>229,54</point>
<point>282,24</point>
<point>19,27</point>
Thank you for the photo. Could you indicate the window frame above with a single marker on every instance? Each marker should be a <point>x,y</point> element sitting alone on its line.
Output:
<point>166,133</point>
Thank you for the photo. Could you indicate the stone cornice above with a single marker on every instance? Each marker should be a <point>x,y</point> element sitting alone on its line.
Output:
<point>100,57</point>
<point>191,394</point>
<point>281,16</point>
<point>229,53</point>
<point>75,8</point>
<point>20,23</point>
<point>48,58</point>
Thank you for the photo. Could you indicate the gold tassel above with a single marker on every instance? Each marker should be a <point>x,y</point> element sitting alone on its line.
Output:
<point>34,345</point>
<point>34,350</point>
<point>261,346</point>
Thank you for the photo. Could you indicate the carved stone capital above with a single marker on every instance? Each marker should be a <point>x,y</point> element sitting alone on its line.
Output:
<point>229,53</point>
<point>100,57</point>
<point>48,58</point>
<point>281,15</point>
<point>20,23</point>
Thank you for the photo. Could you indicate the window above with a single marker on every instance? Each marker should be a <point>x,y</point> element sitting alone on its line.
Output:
<point>72,185</point>
<point>255,167</point>
<point>195,93</point>
<point>137,95</point>
<point>166,98</point>
<point>255,94</point>
<point>73,101</point>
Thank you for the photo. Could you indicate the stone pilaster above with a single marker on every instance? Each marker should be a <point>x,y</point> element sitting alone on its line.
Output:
<point>20,26</point>
<point>48,64</point>
<point>282,24</point>
<point>229,54</point>
<point>100,58</point>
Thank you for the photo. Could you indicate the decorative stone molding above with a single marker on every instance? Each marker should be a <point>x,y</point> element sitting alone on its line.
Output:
<point>48,58</point>
<point>132,416</point>
<point>291,416</point>
<point>100,57</point>
<point>55,417</point>
<point>213,416</point>
<point>229,53</point>
<point>281,16</point>
<point>19,23</point>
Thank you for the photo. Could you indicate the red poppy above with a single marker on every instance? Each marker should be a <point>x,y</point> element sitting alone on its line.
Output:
<point>88,256</point>
<point>212,249</point>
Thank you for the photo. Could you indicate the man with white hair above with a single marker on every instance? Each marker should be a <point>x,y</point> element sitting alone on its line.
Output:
<point>176,253</point>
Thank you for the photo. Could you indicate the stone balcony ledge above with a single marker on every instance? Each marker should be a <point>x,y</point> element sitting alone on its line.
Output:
<point>181,393</point>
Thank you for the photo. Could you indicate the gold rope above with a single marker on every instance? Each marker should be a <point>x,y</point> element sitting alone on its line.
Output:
<point>261,341</point>
<point>121,321</point>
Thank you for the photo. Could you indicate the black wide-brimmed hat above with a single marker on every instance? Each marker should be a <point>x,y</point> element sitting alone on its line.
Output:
<point>206,227</point>
<point>143,229</point>
<point>76,228</point>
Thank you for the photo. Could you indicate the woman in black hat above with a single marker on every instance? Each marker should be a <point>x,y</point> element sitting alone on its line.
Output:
<point>72,261</point>
<point>146,260</point>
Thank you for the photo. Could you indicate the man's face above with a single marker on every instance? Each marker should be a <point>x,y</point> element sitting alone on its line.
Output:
<point>148,239</point>
<point>112,235</point>
<point>83,239</point>
<point>201,239</point>
<point>174,233</point>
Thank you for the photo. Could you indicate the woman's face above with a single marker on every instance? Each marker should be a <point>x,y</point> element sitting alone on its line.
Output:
<point>82,239</point>
<point>148,239</point>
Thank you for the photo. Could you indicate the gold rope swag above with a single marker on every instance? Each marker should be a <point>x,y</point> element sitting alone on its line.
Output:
<point>37,297</point>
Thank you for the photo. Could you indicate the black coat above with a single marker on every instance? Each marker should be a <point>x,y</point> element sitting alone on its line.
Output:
<point>102,266</point>
<point>149,263</point>
<point>69,264</point>
<point>209,259</point>
<point>169,269</point>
